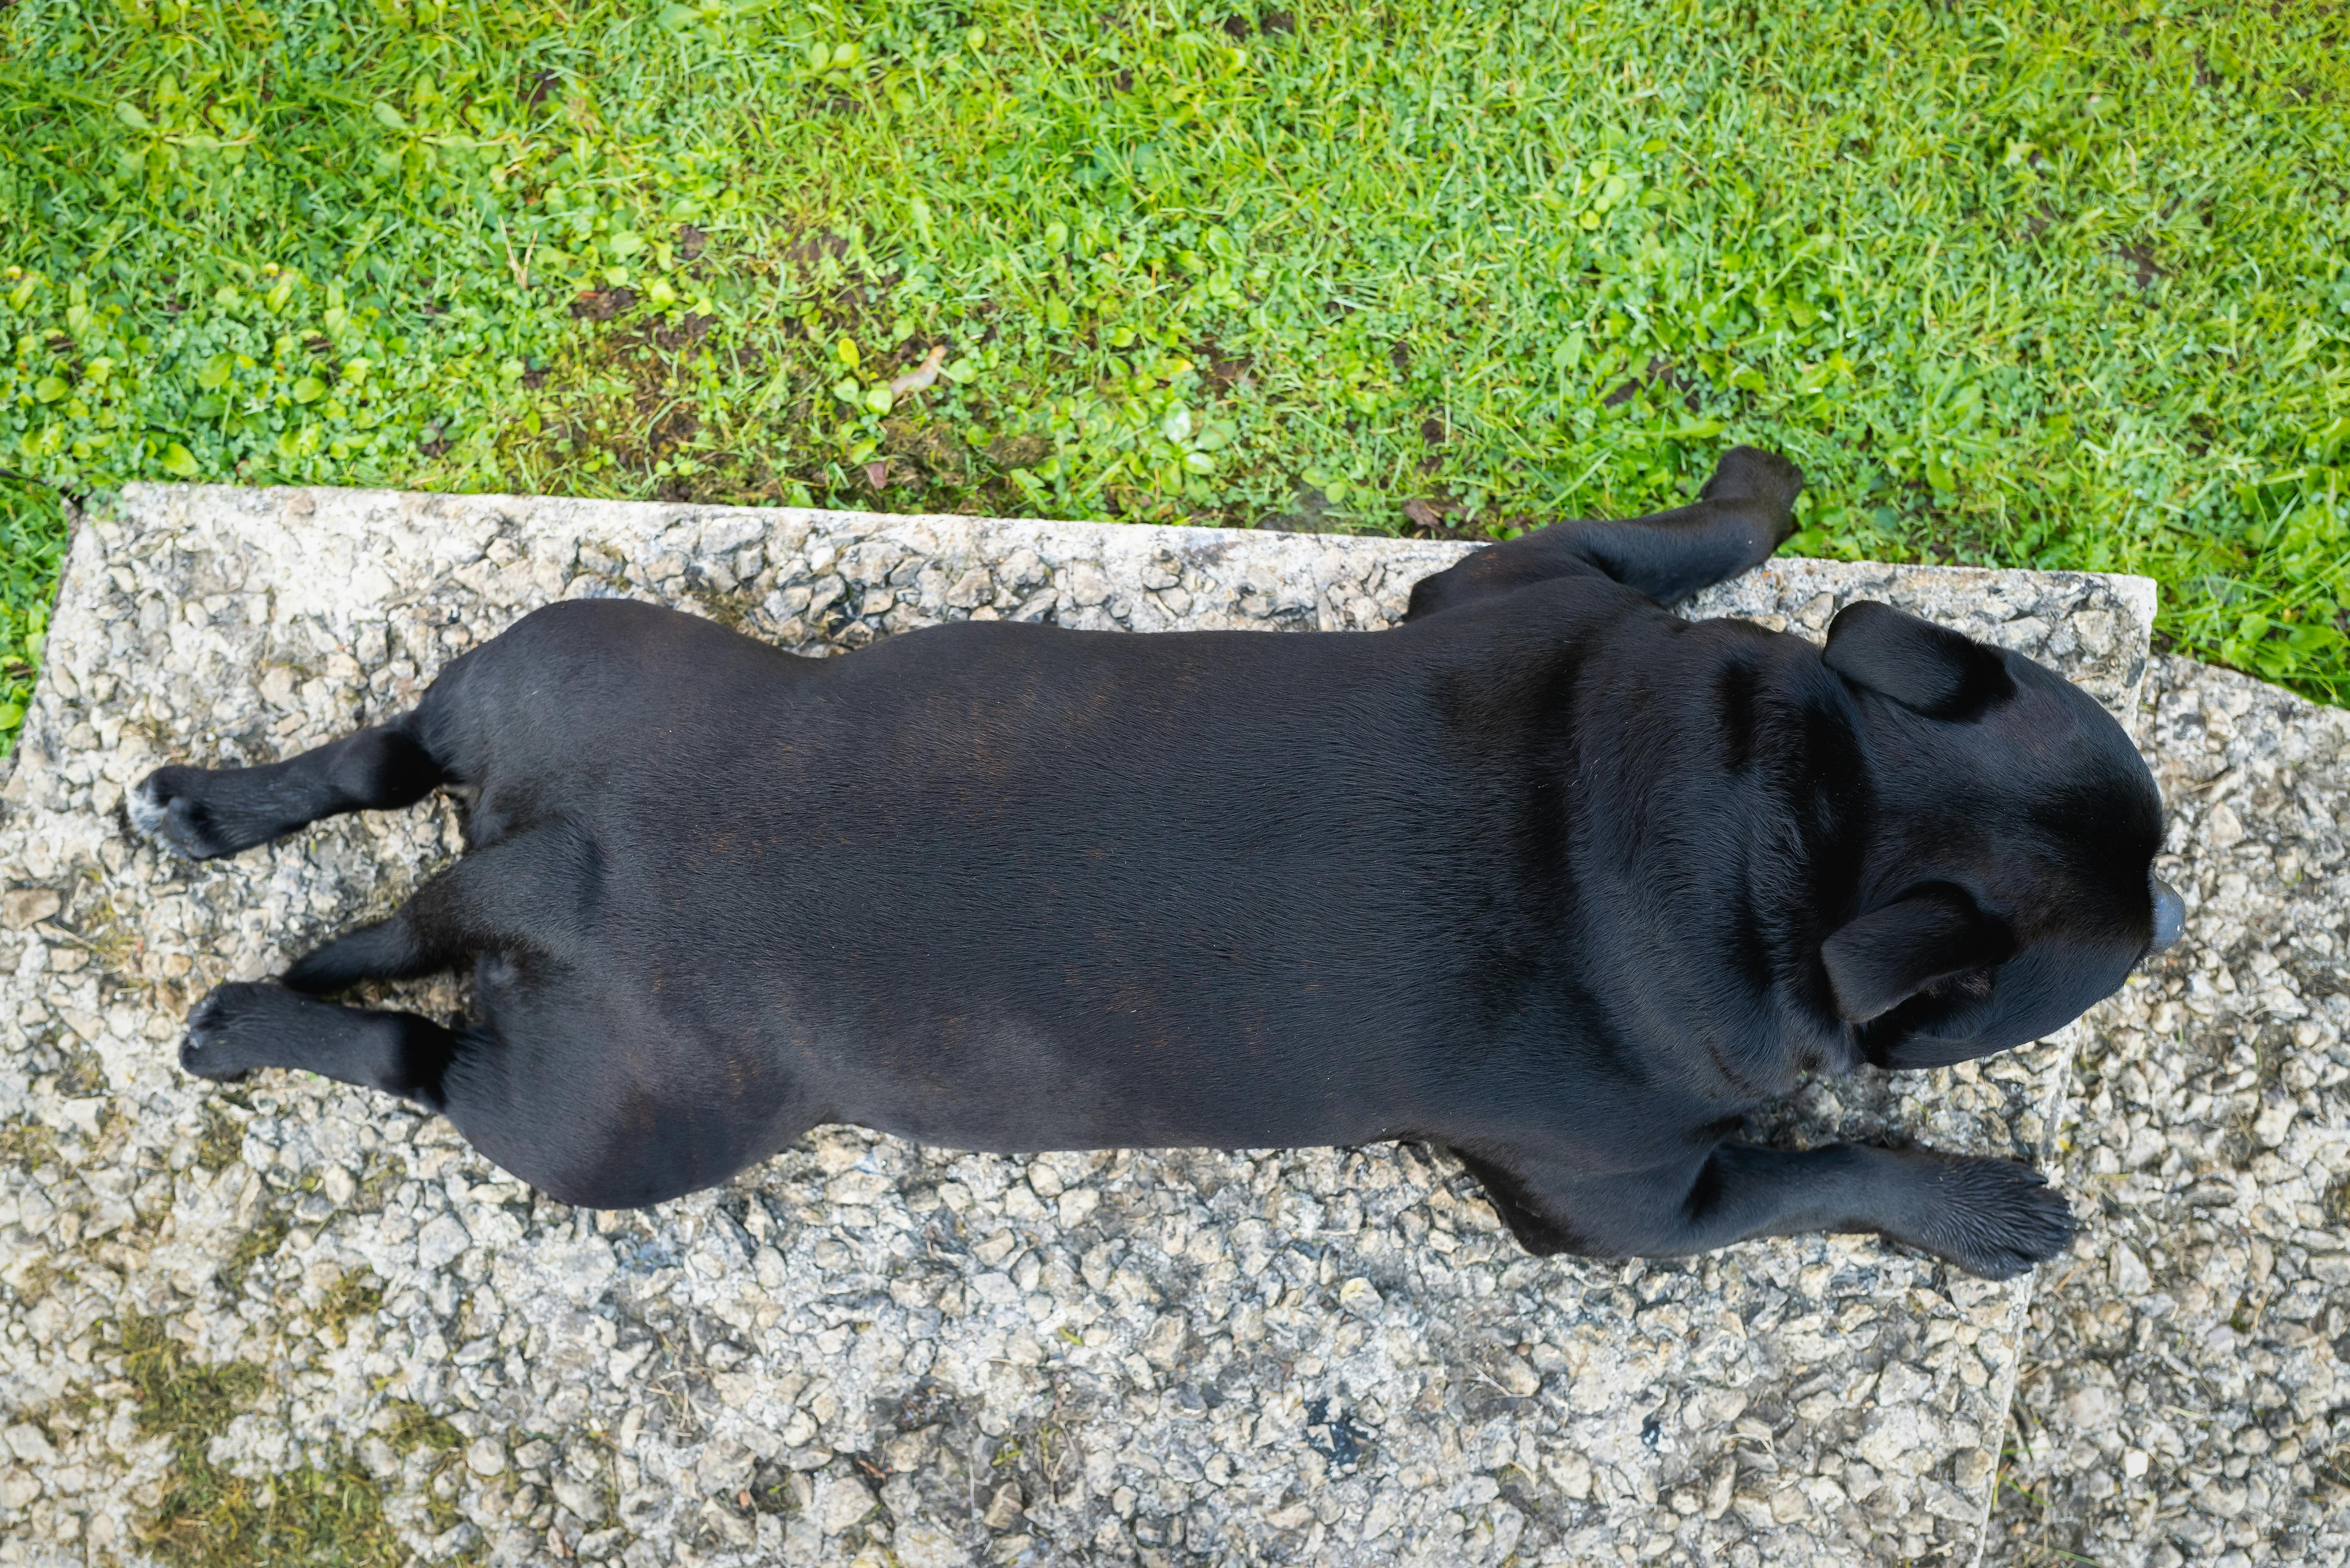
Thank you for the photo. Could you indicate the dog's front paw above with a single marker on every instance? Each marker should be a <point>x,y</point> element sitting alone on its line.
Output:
<point>168,806</point>
<point>1996,1218</point>
<point>227,1030</point>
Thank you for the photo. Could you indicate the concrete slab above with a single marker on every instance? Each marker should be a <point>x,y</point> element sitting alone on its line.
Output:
<point>866,1347</point>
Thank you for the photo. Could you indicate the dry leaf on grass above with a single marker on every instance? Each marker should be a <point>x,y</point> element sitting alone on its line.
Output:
<point>921,375</point>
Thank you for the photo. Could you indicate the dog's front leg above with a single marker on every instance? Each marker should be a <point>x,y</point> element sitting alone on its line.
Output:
<point>1995,1218</point>
<point>1744,512</point>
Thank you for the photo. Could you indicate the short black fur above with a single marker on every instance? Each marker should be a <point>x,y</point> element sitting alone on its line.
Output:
<point>1546,876</point>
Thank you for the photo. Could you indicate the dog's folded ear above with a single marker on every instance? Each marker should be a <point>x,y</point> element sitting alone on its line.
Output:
<point>1931,668</point>
<point>1886,957</point>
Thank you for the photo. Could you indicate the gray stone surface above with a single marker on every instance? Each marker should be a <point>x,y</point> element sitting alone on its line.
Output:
<point>2186,1396</point>
<point>866,1351</point>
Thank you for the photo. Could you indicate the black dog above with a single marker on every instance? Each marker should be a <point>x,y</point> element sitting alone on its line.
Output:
<point>1545,876</point>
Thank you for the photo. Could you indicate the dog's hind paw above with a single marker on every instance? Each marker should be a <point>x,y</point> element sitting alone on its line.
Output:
<point>167,806</point>
<point>1996,1218</point>
<point>227,1030</point>
<point>1749,474</point>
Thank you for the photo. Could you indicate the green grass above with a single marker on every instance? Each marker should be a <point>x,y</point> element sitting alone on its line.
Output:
<point>2025,285</point>
<point>210,1517</point>
<point>414,1426</point>
<point>255,1246</point>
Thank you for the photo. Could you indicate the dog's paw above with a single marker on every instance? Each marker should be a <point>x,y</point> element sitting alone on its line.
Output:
<point>228,1031</point>
<point>168,806</point>
<point>1996,1218</point>
<point>1749,474</point>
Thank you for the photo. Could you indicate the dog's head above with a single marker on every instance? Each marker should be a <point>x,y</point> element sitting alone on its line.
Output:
<point>2007,880</point>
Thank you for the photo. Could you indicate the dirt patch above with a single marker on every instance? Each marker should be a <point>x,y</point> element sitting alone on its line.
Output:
<point>1432,517</point>
<point>821,245</point>
<point>2144,268</point>
<point>1659,374</point>
<point>1018,451</point>
<point>689,328</point>
<point>1241,28</point>
<point>603,304</point>
<point>673,429</point>
<point>934,450</point>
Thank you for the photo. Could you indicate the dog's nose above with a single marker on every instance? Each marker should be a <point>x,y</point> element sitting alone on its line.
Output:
<point>2170,914</point>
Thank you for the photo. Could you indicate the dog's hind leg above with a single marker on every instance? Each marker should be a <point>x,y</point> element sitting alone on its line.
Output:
<point>551,1082</point>
<point>609,1105</point>
<point>536,892</point>
<point>243,1025</point>
<point>1743,514</point>
<point>207,811</point>
<point>590,1097</point>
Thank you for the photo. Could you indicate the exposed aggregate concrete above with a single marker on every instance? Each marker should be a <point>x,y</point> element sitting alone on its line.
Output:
<point>866,1351</point>
<point>2187,1397</point>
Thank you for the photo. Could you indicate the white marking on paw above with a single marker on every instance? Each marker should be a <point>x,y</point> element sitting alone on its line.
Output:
<point>146,808</point>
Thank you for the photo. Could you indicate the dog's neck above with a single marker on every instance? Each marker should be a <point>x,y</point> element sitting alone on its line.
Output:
<point>1740,825</point>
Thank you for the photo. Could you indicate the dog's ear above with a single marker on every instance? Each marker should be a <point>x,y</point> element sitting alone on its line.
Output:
<point>1931,668</point>
<point>1886,957</point>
